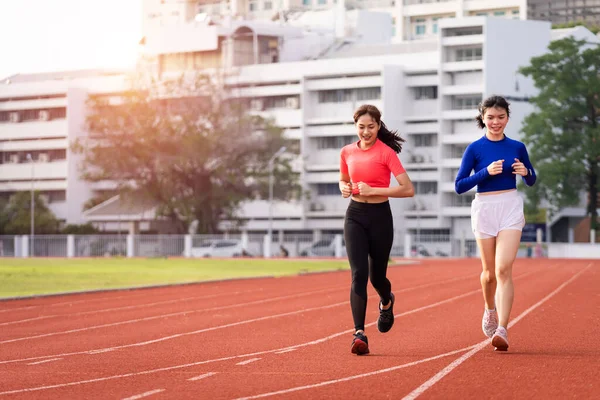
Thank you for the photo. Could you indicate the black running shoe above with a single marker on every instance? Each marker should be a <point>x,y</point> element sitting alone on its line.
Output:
<point>386,317</point>
<point>360,344</point>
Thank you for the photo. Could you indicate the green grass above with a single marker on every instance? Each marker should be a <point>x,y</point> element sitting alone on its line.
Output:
<point>25,277</point>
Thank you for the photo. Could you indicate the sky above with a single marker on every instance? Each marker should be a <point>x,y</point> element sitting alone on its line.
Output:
<point>57,35</point>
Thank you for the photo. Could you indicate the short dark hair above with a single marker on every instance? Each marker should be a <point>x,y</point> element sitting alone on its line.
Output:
<point>390,138</point>
<point>491,102</point>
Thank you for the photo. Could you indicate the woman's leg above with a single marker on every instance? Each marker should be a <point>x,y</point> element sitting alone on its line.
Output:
<point>489,321</point>
<point>507,245</point>
<point>487,248</point>
<point>358,255</point>
<point>381,239</point>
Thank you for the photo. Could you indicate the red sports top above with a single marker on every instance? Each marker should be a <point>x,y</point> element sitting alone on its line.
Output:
<point>372,166</point>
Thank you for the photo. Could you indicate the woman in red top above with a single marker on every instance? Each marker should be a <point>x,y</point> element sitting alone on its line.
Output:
<point>365,168</point>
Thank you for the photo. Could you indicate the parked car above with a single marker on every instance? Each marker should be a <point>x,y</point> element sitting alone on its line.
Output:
<point>323,248</point>
<point>219,248</point>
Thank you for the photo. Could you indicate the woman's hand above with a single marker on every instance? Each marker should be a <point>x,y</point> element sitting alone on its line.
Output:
<point>495,168</point>
<point>346,189</point>
<point>519,168</point>
<point>364,189</point>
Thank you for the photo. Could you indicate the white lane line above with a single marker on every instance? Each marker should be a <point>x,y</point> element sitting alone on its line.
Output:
<point>26,320</point>
<point>145,394</point>
<point>284,351</point>
<point>44,361</point>
<point>437,377</point>
<point>131,321</point>
<point>471,350</point>
<point>317,341</point>
<point>174,367</point>
<point>248,361</point>
<point>197,378</point>
<point>349,378</point>
<point>132,306</point>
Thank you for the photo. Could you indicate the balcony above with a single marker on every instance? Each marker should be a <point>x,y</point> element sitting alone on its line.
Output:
<point>319,160</point>
<point>462,89</point>
<point>460,138</point>
<point>284,118</point>
<point>421,80</point>
<point>430,127</point>
<point>58,184</point>
<point>22,171</point>
<point>462,65</point>
<point>459,114</point>
<point>269,91</point>
<point>327,206</point>
<point>33,130</point>
<point>428,7</point>
<point>462,40</point>
<point>423,204</point>
<point>344,83</point>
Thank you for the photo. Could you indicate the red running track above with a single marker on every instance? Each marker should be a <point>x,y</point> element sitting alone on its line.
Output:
<point>290,338</point>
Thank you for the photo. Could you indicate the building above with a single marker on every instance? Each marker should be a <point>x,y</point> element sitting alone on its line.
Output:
<point>564,11</point>
<point>412,19</point>
<point>40,116</point>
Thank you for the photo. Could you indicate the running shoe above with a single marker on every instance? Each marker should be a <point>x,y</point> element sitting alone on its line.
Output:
<point>360,344</point>
<point>489,322</point>
<point>500,339</point>
<point>386,317</point>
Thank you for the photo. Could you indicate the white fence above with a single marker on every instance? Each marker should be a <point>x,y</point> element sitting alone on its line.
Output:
<point>228,245</point>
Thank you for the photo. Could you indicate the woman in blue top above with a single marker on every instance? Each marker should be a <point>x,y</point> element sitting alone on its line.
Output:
<point>497,210</point>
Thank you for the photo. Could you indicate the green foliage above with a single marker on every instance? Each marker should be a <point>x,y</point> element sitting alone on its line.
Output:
<point>188,146</point>
<point>563,133</point>
<point>84,229</point>
<point>15,215</point>
<point>591,27</point>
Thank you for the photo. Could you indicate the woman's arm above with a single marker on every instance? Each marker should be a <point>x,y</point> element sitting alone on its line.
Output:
<point>404,189</point>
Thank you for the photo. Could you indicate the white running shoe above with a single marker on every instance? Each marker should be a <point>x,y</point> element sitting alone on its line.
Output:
<point>489,322</point>
<point>500,339</point>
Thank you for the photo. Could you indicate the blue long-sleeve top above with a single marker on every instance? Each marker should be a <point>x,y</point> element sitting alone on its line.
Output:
<point>482,153</point>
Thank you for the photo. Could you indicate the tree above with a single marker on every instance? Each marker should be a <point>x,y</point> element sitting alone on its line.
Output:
<point>563,133</point>
<point>83,229</point>
<point>187,145</point>
<point>17,215</point>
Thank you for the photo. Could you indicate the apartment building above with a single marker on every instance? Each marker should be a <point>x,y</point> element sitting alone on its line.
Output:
<point>412,19</point>
<point>40,116</point>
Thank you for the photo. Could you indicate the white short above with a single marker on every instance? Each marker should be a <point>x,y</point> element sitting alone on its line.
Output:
<point>493,213</point>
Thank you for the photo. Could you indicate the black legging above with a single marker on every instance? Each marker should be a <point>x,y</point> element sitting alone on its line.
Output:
<point>369,235</point>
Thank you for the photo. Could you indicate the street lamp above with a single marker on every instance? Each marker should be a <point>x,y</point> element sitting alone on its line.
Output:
<point>32,208</point>
<point>271,165</point>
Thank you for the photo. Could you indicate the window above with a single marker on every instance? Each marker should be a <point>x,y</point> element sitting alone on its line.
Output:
<point>328,189</point>
<point>371,93</point>
<point>499,13</point>
<point>471,54</point>
<point>252,6</point>
<point>420,27</point>
<point>426,93</point>
<point>425,140</point>
<point>306,2</point>
<point>466,103</point>
<point>348,95</point>
<point>334,142</point>
<point>424,187</point>
<point>435,25</point>
<point>322,1</point>
<point>268,5</point>
<point>335,96</point>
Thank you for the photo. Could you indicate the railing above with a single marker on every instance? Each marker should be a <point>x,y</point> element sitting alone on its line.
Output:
<point>226,245</point>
